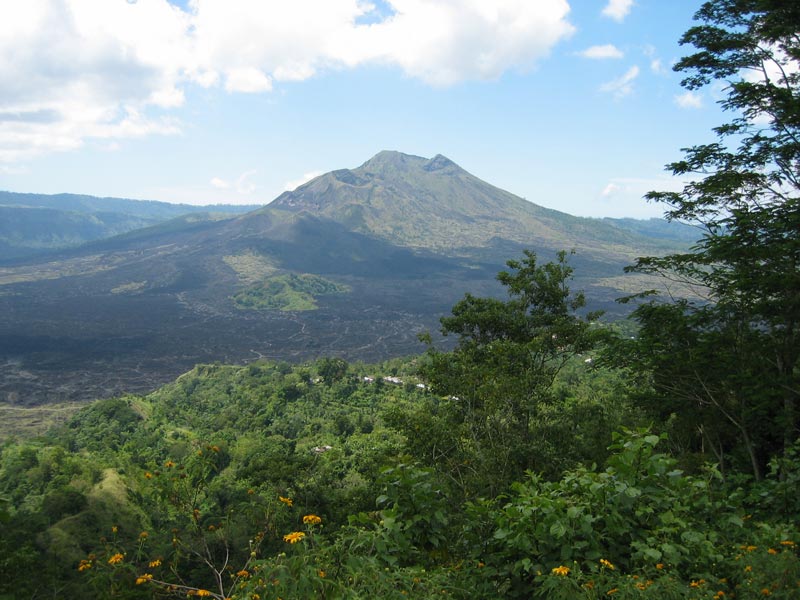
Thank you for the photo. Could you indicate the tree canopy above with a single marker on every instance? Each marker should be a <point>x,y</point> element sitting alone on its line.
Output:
<point>745,196</point>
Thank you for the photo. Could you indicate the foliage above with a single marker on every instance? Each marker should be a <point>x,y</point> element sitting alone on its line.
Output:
<point>745,197</point>
<point>203,485</point>
<point>500,376</point>
<point>287,292</point>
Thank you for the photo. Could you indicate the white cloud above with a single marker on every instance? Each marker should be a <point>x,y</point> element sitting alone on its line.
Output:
<point>296,183</point>
<point>657,67</point>
<point>14,170</point>
<point>247,79</point>
<point>622,86</point>
<point>623,196</point>
<point>98,68</point>
<point>656,64</point>
<point>450,41</point>
<point>601,52</point>
<point>609,190</point>
<point>618,9</point>
<point>242,184</point>
<point>84,69</point>
<point>689,100</point>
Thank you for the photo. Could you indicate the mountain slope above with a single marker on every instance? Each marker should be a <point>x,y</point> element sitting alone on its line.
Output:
<point>358,261</point>
<point>32,224</point>
<point>437,205</point>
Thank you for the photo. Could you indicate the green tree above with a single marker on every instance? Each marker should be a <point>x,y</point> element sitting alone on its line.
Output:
<point>501,372</point>
<point>332,369</point>
<point>745,196</point>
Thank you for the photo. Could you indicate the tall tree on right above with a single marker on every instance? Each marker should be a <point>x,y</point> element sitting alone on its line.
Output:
<point>731,361</point>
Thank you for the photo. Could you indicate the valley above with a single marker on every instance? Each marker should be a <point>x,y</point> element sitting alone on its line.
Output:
<point>128,313</point>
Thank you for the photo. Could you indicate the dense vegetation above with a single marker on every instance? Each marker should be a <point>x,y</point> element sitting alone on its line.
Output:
<point>546,455</point>
<point>287,292</point>
<point>215,484</point>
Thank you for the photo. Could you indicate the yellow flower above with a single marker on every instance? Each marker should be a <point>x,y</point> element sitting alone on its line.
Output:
<point>203,593</point>
<point>155,563</point>
<point>251,491</point>
<point>84,565</point>
<point>243,573</point>
<point>322,573</point>
<point>116,559</point>
<point>561,571</point>
<point>772,551</point>
<point>606,564</point>
<point>286,501</point>
<point>143,535</point>
<point>312,520</point>
<point>169,464</point>
<point>766,592</point>
<point>787,543</point>
<point>720,594</point>
<point>114,529</point>
<point>143,578</point>
<point>748,568</point>
<point>659,566</point>
<point>612,591</point>
<point>751,548</point>
<point>294,537</point>
<point>148,475</point>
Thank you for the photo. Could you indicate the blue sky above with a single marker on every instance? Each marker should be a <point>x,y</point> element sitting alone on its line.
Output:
<point>572,105</point>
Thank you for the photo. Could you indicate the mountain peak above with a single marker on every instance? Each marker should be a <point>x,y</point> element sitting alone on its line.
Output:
<point>390,162</point>
<point>439,163</point>
<point>391,159</point>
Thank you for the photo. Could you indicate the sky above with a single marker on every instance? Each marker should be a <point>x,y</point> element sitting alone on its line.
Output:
<point>572,105</point>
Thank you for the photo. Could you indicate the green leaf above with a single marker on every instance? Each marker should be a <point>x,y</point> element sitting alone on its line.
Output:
<point>558,529</point>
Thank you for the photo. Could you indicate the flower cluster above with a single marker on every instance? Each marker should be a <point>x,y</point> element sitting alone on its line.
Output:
<point>84,565</point>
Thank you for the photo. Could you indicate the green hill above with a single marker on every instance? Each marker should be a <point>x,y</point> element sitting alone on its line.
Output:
<point>32,224</point>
